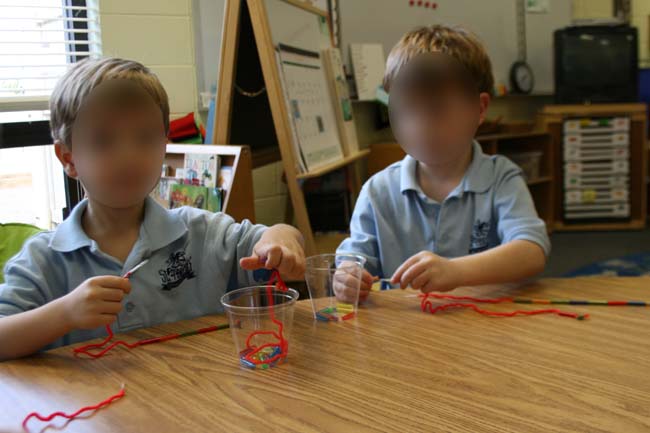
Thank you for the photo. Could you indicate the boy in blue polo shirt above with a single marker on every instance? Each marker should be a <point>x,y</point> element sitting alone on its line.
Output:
<point>109,120</point>
<point>447,215</point>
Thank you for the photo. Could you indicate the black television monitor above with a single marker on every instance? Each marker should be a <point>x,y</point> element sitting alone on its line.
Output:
<point>596,64</point>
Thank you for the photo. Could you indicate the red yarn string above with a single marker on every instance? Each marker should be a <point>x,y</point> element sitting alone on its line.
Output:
<point>73,415</point>
<point>86,350</point>
<point>274,282</point>
<point>468,298</point>
<point>426,305</point>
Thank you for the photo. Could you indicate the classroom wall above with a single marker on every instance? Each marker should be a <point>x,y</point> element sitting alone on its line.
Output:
<point>174,38</point>
<point>641,19</point>
<point>207,18</point>
<point>159,34</point>
<point>271,194</point>
<point>588,9</point>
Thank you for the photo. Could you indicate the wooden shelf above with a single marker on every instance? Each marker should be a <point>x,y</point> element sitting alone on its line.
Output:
<point>628,225</point>
<point>265,156</point>
<point>503,136</point>
<point>333,166</point>
<point>238,198</point>
<point>539,180</point>
<point>552,117</point>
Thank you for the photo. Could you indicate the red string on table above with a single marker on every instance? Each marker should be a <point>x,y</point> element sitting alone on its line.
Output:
<point>427,305</point>
<point>74,415</point>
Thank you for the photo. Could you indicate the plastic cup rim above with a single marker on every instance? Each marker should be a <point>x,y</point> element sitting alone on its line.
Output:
<point>362,261</point>
<point>292,292</point>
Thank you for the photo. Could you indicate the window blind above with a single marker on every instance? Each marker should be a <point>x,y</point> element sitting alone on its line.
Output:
<point>39,40</point>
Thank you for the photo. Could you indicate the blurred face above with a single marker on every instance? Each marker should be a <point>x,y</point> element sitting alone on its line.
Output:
<point>435,108</point>
<point>118,145</point>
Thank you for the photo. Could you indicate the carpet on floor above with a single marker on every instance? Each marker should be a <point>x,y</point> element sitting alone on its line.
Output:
<point>633,265</point>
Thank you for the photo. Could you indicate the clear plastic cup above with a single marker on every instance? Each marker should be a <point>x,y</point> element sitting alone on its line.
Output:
<point>261,318</point>
<point>334,281</point>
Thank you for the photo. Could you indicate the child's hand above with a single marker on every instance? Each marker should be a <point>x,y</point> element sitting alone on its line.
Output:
<point>95,302</point>
<point>280,247</point>
<point>427,272</point>
<point>345,283</point>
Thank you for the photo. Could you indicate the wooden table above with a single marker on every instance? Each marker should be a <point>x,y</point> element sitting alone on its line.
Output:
<point>394,369</point>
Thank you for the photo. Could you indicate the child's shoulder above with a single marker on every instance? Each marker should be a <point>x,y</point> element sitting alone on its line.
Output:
<point>192,215</point>
<point>500,168</point>
<point>200,221</point>
<point>39,242</point>
<point>35,249</point>
<point>388,177</point>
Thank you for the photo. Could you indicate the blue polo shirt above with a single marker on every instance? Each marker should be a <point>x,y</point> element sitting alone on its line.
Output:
<point>393,218</point>
<point>193,260</point>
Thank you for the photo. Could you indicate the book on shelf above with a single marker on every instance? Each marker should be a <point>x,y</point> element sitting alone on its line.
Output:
<point>201,169</point>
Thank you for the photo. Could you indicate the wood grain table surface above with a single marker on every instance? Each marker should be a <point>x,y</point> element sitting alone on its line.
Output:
<point>392,369</point>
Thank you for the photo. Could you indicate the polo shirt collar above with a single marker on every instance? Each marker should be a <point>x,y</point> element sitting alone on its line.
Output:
<point>477,178</point>
<point>160,228</point>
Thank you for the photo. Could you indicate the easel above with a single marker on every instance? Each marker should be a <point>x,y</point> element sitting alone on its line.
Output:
<point>258,115</point>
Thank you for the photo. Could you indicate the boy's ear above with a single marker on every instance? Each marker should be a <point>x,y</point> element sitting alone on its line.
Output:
<point>484,102</point>
<point>64,153</point>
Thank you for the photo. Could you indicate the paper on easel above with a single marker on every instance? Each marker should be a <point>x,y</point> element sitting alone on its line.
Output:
<point>342,104</point>
<point>368,63</point>
<point>300,165</point>
<point>310,106</point>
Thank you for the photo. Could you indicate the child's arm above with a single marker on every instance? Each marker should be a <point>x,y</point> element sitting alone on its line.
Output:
<point>24,333</point>
<point>428,272</point>
<point>280,247</point>
<point>522,253</point>
<point>363,238</point>
<point>96,302</point>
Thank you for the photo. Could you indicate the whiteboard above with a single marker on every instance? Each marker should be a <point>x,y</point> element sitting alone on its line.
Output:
<point>494,21</point>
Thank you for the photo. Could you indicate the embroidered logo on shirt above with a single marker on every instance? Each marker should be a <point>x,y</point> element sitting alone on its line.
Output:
<point>179,269</point>
<point>479,239</point>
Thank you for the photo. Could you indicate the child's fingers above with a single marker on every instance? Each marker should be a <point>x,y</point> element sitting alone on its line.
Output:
<point>273,257</point>
<point>300,267</point>
<point>112,295</point>
<point>346,278</point>
<point>366,278</point>
<point>422,280</point>
<point>411,273</point>
<point>111,307</point>
<point>345,294</point>
<point>397,276</point>
<point>251,263</point>
<point>297,265</point>
<point>107,319</point>
<point>365,286</point>
<point>112,282</point>
<point>287,265</point>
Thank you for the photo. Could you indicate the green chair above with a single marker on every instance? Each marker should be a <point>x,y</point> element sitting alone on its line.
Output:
<point>12,238</point>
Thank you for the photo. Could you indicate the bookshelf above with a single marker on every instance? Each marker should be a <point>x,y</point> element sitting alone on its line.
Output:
<point>238,199</point>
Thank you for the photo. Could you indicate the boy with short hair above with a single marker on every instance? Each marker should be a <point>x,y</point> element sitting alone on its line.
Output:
<point>109,121</point>
<point>447,215</point>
